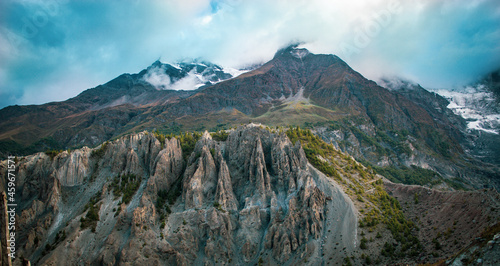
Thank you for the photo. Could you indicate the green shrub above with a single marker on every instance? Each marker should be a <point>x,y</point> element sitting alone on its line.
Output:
<point>436,243</point>
<point>409,175</point>
<point>52,153</point>
<point>99,153</point>
<point>188,142</point>
<point>126,186</point>
<point>220,135</point>
<point>362,245</point>
<point>368,260</point>
<point>91,218</point>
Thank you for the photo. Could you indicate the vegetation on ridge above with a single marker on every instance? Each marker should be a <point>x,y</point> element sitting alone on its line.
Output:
<point>187,140</point>
<point>362,185</point>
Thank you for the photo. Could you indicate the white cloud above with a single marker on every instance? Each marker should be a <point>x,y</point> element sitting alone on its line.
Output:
<point>58,89</point>
<point>187,83</point>
<point>206,20</point>
<point>157,78</point>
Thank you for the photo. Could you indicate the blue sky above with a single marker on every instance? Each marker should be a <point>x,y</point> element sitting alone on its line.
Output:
<point>52,50</point>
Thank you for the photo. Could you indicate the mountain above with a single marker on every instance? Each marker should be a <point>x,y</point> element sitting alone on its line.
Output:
<point>246,196</point>
<point>299,161</point>
<point>393,130</point>
<point>103,112</point>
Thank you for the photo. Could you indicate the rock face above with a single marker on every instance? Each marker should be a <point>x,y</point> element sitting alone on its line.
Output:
<point>72,168</point>
<point>166,167</point>
<point>249,198</point>
<point>253,197</point>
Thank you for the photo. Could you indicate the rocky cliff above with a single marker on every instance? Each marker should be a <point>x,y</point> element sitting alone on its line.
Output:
<point>247,196</point>
<point>251,198</point>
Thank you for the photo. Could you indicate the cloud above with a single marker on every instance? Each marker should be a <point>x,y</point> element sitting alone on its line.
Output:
<point>189,82</point>
<point>62,47</point>
<point>156,77</point>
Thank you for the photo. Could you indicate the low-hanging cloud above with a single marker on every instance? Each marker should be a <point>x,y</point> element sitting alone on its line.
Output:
<point>52,50</point>
<point>156,76</point>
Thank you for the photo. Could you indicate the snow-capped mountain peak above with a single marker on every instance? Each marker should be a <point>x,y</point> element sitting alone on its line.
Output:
<point>187,75</point>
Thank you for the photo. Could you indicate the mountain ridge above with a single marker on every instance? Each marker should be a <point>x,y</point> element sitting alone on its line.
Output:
<point>383,127</point>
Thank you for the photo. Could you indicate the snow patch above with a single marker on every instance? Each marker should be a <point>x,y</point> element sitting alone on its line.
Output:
<point>477,106</point>
<point>299,53</point>
<point>234,72</point>
<point>176,66</point>
<point>187,83</point>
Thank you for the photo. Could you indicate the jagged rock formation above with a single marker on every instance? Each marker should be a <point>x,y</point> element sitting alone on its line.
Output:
<point>72,168</point>
<point>250,198</point>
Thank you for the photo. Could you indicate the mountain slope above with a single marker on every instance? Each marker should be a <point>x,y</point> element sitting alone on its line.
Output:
<point>383,127</point>
<point>100,113</point>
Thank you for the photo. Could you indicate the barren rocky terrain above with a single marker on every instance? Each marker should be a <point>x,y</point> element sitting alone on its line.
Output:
<point>242,198</point>
<point>250,198</point>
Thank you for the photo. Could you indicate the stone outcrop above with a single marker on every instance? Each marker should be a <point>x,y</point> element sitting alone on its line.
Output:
<point>249,198</point>
<point>200,181</point>
<point>166,167</point>
<point>72,168</point>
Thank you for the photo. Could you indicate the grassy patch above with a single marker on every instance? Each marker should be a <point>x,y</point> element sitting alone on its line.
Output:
<point>314,147</point>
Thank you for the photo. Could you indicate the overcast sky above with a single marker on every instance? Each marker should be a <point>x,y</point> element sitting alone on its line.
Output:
<point>52,50</point>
